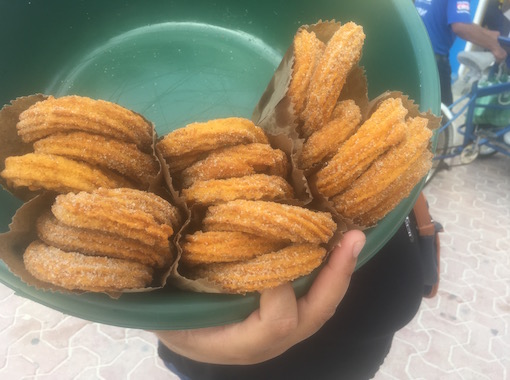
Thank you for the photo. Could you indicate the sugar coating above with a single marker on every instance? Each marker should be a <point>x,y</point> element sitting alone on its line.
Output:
<point>120,156</point>
<point>226,246</point>
<point>307,51</point>
<point>61,174</point>
<point>374,184</point>
<point>112,214</point>
<point>324,143</point>
<point>385,128</point>
<point>77,113</point>
<point>342,53</point>
<point>238,161</point>
<point>75,271</point>
<point>250,187</point>
<point>265,271</point>
<point>275,220</point>
<point>210,135</point>
<point>99,243</point>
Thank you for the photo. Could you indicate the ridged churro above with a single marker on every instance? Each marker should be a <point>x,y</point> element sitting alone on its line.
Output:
<point>384,129</point>
<point>203,137</point>
<point>225,246</point>
<point>342,53</point>
<point>307,52</point>
<point>237,161</point>
<point>74,271</point>
<point>109,214</point>
<point>104,152</point>
<point>324,143</point>
<point>99,243</point>
<point>78,113</point>
<point>250,187</point>
<point>372,187</point>
<point>264,271</point>
<point>44,171</point>
<point>397,191</point>
<point>274,220</point>
<point>161,210</point>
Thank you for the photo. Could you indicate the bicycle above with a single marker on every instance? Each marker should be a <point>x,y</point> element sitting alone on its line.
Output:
<point>478,139</point>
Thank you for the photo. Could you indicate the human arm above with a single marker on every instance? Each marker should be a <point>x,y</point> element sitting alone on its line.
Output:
<point>281,322</point>
<point>477,35</point>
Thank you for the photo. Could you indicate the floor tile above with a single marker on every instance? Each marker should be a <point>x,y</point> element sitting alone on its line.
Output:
<point>469,326</point>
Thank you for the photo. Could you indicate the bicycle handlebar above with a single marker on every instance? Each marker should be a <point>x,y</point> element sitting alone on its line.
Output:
<point>504,41</point>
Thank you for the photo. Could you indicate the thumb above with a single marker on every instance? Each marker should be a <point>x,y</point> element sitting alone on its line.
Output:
<point>331,284</point>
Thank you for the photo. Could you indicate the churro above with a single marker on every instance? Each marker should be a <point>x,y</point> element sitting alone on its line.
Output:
<point>274,220</point>
<point>74,271</point>
<point>265,271</point>
<point>78,113</point>
<point>225,246</point>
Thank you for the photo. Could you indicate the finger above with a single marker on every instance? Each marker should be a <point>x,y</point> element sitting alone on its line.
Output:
<point>278,306</point>
<point>277,314</point>
<point>329,288</point>
<point>261,336</point>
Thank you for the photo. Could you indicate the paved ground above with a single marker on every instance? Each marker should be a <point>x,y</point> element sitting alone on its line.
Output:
<point>463,333</point>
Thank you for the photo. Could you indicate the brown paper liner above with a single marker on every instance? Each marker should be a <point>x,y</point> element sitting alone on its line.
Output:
<point>11,144</point>
<point>22,230</point>
<point>21,233</point>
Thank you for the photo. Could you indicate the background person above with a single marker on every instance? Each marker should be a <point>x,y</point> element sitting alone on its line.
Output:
<point>497,17</point>
<point>445,20</point>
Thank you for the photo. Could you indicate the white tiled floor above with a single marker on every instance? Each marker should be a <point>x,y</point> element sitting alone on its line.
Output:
<point>463,333</point>
<point>39,343</point>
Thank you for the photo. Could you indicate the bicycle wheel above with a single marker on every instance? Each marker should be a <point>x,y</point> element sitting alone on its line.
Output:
<point>443,138</point>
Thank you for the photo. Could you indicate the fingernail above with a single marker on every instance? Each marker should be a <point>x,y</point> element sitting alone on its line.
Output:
<point>356,248</point>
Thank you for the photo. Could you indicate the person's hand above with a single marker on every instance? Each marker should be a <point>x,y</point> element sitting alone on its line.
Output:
<point>499,53</point>
<point>281,321</point>
<point>483,37</point>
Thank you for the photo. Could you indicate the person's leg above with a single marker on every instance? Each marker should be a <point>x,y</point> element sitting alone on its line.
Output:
<point>445,79</point>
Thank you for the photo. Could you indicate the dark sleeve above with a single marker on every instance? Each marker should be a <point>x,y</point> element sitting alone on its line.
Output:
<point>384,296</point>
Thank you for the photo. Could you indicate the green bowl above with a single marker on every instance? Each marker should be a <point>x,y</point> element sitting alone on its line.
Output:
<point>182,61</point>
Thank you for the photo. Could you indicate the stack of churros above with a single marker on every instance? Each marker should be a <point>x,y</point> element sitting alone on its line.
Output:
<point>225,159</point>
<point>378,166</point>
<point>246,246</point>
<point>250,237</point>
<point>364,167</point>
<point>105,230</point>
<point>80,144</point>
<point>108,240</point>
<point>320,72</point>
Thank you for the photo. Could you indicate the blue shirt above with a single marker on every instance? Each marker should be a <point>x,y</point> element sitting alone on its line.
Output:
<point>438,15</point>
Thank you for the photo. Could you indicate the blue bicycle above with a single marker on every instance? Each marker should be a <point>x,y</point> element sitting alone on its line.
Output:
<point>484,95</point>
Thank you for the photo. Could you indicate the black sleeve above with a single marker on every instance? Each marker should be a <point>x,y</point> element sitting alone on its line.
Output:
<point>384,296</point>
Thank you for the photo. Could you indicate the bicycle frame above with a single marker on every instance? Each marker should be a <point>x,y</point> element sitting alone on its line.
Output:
<point>469,128</point>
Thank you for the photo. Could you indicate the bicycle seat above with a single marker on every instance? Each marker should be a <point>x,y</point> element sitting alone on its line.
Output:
<point>477,60</point>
